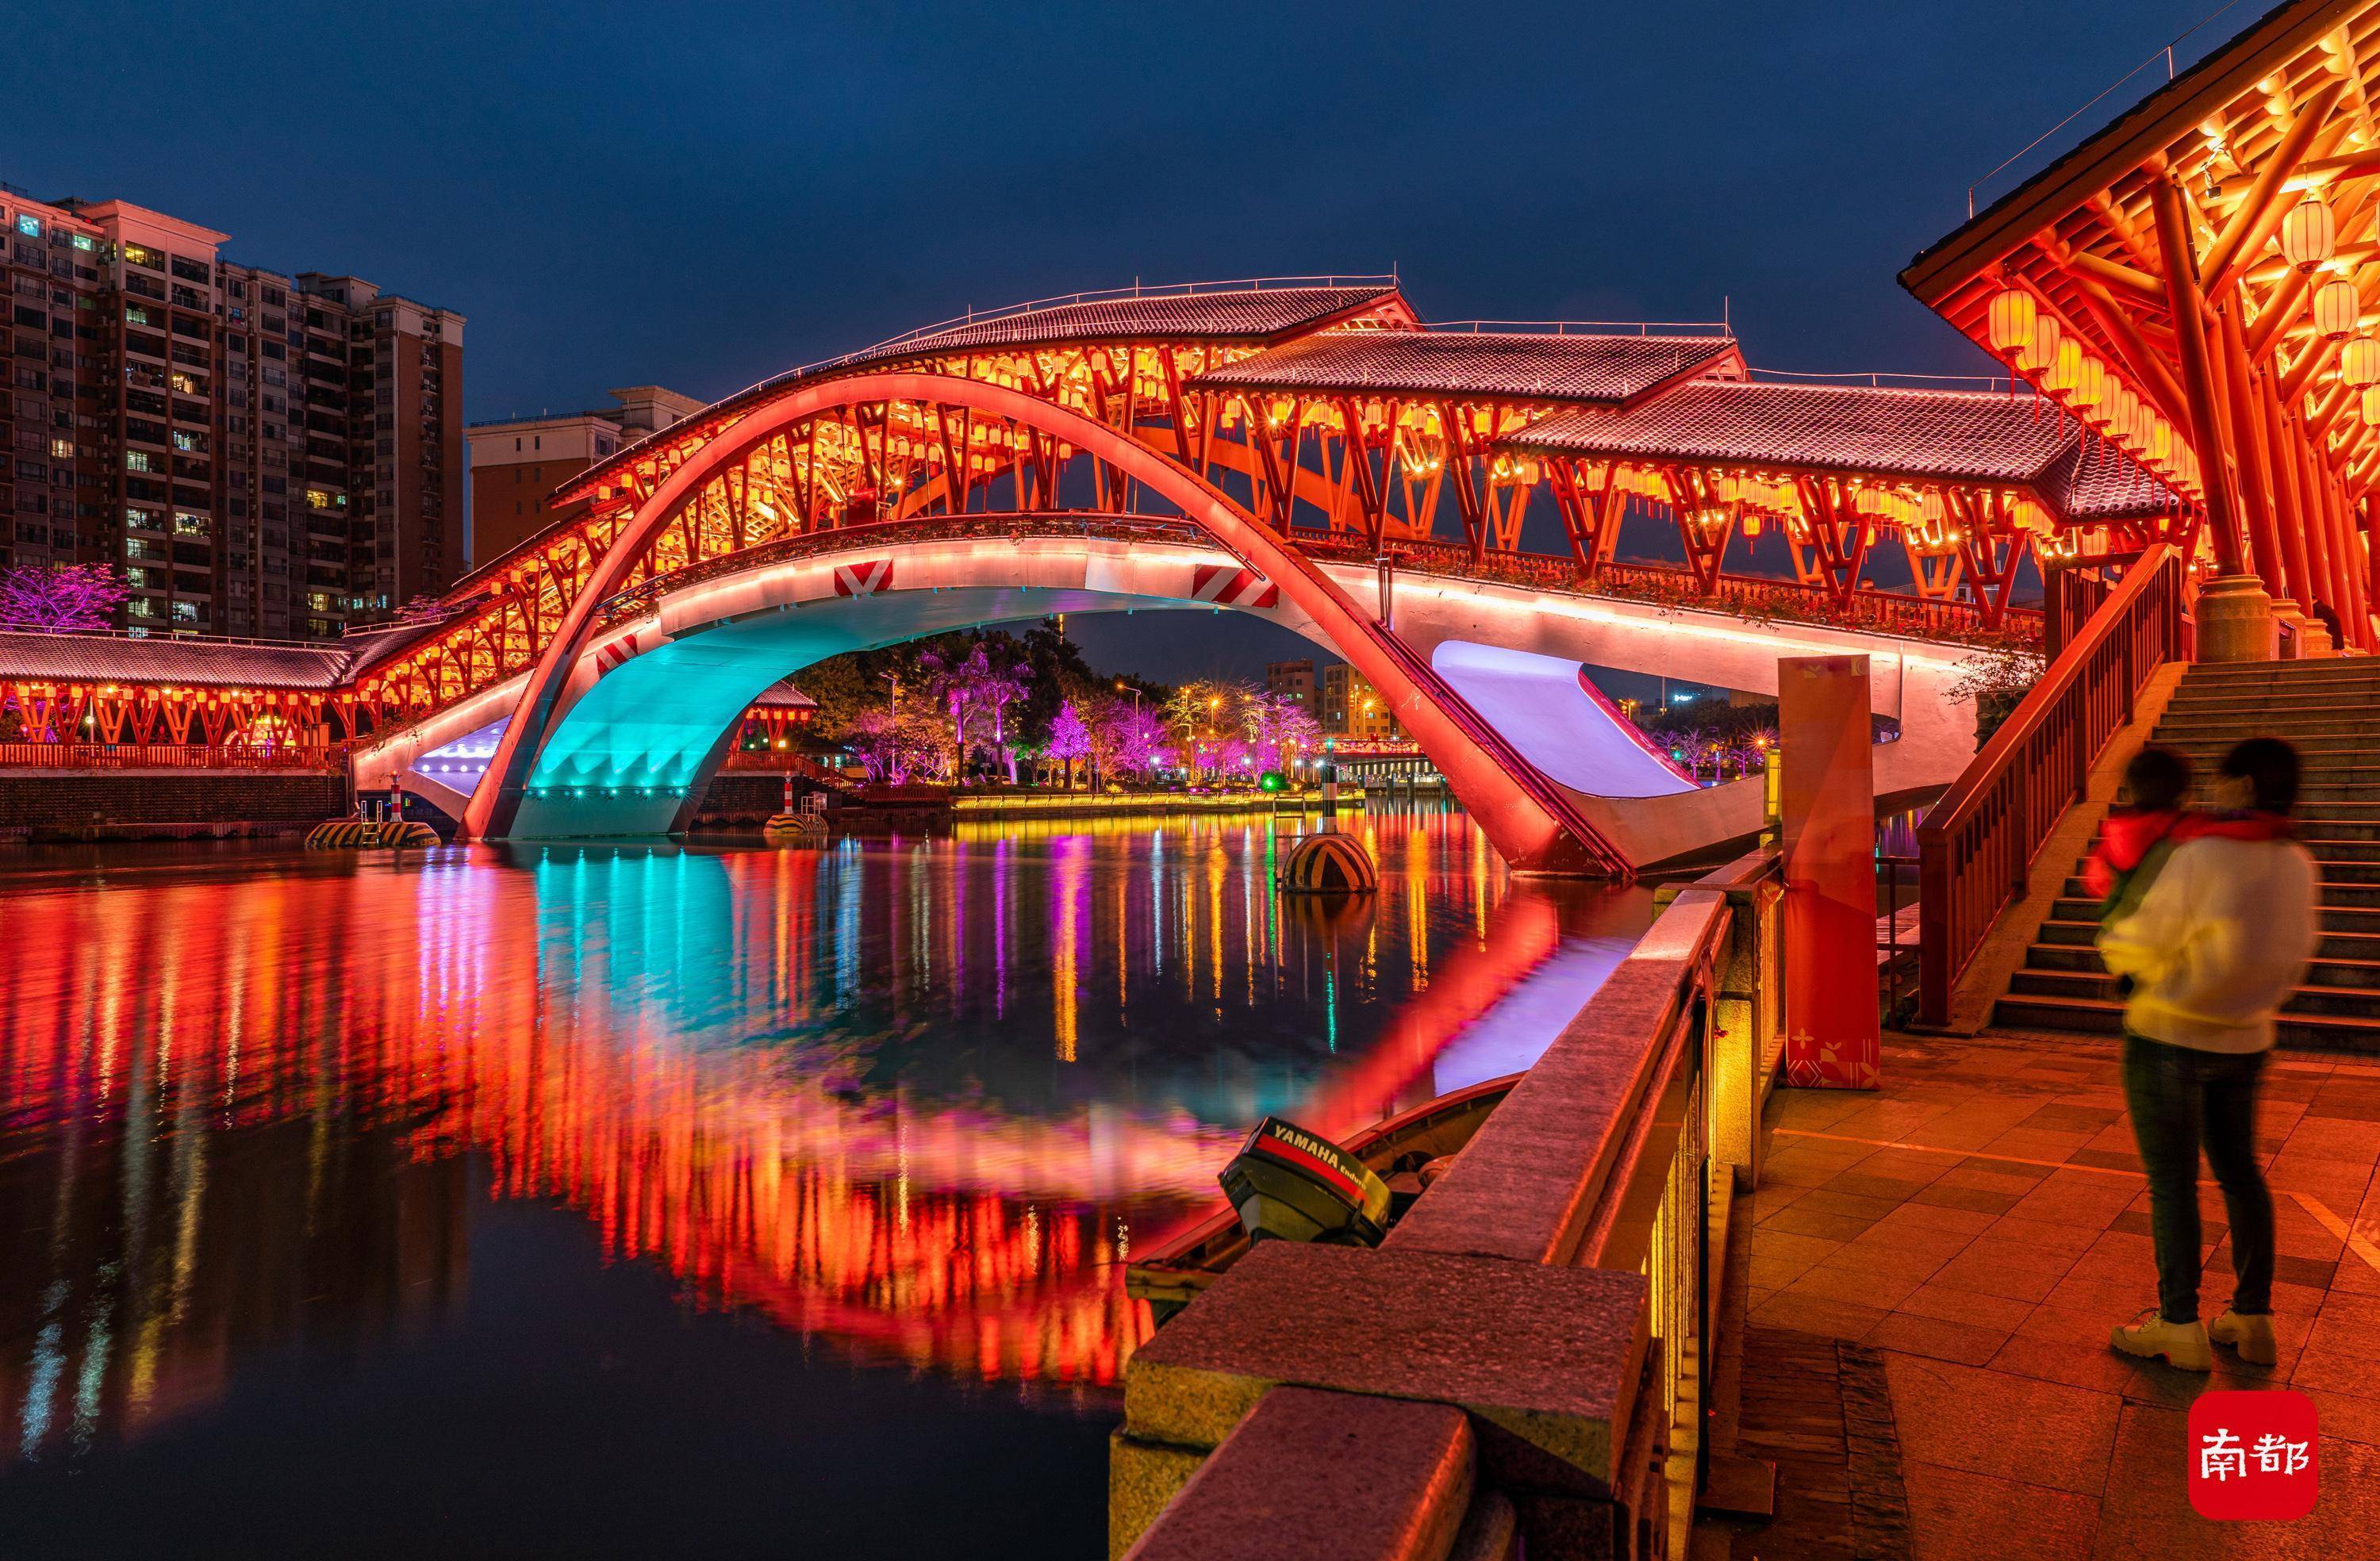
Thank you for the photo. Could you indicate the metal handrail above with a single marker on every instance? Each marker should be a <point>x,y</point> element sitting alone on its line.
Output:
<point>1976,847</point>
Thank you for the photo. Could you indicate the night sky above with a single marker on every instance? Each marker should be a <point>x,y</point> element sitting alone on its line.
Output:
<point>702,197</point>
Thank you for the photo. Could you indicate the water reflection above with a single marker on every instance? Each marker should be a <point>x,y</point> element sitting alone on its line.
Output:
<point>917,1098</point>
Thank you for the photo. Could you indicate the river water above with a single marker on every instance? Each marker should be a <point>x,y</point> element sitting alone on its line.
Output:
<point>645,1201</point>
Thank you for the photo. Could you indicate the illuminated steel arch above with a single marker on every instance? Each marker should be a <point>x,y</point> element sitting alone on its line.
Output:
<point>1524,816</point>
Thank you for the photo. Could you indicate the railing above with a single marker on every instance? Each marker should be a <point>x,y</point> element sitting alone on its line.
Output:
<point>1784,601</point>
<point>1617,1152</point>
<point>164,756</point>
<point>1977,845</point>
<point>779,762</point>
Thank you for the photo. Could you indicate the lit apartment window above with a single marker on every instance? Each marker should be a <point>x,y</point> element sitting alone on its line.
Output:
<point>137,461</point>
<point>187,524</point>
<point>29,225</point>
<point>63,449</point>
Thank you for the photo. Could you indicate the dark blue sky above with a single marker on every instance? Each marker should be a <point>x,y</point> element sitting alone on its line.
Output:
<point>703,196</point>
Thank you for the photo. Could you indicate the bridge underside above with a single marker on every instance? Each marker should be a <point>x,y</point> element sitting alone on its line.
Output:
<point>634,745</point>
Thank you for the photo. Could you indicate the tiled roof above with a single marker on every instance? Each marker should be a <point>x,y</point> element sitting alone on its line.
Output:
<point>1228,314</point>
<point>98,657</point>
<point>1243,315</point>
<point>783,693</point>
<point>1589,369</point>
<point>1960,436</point>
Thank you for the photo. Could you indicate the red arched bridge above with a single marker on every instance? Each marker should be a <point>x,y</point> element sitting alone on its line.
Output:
<point>1443,506</point>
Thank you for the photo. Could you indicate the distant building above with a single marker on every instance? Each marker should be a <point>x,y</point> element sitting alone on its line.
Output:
<point>516,463</point>
<point>1351,708</point>
<point>262,454</point>
<point>1294,679</point>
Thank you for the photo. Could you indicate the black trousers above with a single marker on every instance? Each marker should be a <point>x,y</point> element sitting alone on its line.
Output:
<point>2182,1099</point>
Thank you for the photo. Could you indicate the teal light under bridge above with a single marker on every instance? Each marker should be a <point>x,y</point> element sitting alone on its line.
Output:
<point>627,757</point>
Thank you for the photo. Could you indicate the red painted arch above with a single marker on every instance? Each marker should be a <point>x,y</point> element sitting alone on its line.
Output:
<point>1525,817</point>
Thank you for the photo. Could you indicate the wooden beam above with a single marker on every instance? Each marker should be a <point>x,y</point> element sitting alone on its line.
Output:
<point>2248,438</point>
<point>2268,200</point>
<point>2197,378</point>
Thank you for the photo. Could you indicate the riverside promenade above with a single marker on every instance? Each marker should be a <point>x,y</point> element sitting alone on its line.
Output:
<point>1917,1321</point>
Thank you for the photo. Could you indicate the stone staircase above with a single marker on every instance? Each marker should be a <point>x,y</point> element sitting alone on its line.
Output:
<point>2331,710</point>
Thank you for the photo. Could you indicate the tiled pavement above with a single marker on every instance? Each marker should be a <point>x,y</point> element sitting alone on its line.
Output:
<point>1982,1221</point>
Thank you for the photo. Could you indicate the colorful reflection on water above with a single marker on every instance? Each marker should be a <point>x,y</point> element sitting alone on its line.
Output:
<point>916,1101</point>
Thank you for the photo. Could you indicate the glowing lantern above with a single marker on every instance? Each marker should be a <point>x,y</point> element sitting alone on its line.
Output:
<point>2011,322</point>
<point>2336,306</point>
<point>2359,362</point>
<point>2370,404</point>
<point>2123,413</point>
<point>2308,234</point>
<point>2066,368</point>
<point>2042,351</point>
<point>2090,383</point>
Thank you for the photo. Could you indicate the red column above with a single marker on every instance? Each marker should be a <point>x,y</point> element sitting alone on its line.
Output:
<point>1828,807</point>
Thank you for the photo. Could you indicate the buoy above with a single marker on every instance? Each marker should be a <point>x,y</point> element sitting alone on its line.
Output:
<point>1328,864</point>
<point>360,834</point>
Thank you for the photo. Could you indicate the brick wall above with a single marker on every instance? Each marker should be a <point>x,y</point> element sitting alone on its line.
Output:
<point>121,805</point>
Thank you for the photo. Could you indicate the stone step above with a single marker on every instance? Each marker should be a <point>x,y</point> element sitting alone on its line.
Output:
<point>2346,976</point>
<point>2354,947</point>
<point>2094,1016</point>
<point>2354,702</point>
<point>2340,819</point>
<point>2286,671</point>
<point>2278,724</point>
<point>2348,1003</point>
<point>2330,893</point>
<point>2338,862</point>
<point>2331,919</point>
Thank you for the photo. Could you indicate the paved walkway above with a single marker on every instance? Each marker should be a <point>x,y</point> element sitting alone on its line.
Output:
<point>1981,1223</point>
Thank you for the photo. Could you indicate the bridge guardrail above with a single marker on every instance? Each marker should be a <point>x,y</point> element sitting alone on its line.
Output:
<point>166,756</point>
<point>1617,1152</point>
<point>1976,847</point>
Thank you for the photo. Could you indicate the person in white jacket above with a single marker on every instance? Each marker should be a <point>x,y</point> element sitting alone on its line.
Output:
<point>2212,950</point>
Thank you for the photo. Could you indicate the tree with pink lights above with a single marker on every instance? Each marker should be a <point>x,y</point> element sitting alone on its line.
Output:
<point>1070,739</point>
<point>895,750</point>
<point>60,597</point>
<point>1137,737</point>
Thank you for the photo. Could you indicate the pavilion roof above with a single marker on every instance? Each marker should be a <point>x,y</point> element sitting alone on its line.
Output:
<point>1989,438</point>
<point>782,693</point>
<point>1254,313</point>
<point>107,657</point>
<point>1579,369</point>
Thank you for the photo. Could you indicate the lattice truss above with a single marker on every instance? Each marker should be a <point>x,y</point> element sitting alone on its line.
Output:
<point>1443,474</point>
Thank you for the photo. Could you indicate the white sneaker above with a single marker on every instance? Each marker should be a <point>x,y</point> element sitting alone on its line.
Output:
<point>2251,1336</point>
<point>2182,1344</point>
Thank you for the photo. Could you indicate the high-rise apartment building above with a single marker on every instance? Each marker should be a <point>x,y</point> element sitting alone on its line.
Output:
<point>1294,679</point>
<point>516,463</point>
<point>1352,708</point>
<point>260,454</point>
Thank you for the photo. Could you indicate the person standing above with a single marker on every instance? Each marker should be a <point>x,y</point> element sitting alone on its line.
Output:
<point>2213,948</point>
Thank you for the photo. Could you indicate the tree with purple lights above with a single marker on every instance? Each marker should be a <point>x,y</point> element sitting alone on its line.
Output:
<point>897,749</point>
<point>1136,736</point>
<point>60,597</point>
<point>1069,738</point>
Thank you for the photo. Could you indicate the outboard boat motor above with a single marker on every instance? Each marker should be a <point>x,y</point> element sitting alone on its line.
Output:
<point>1293,1185</point>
